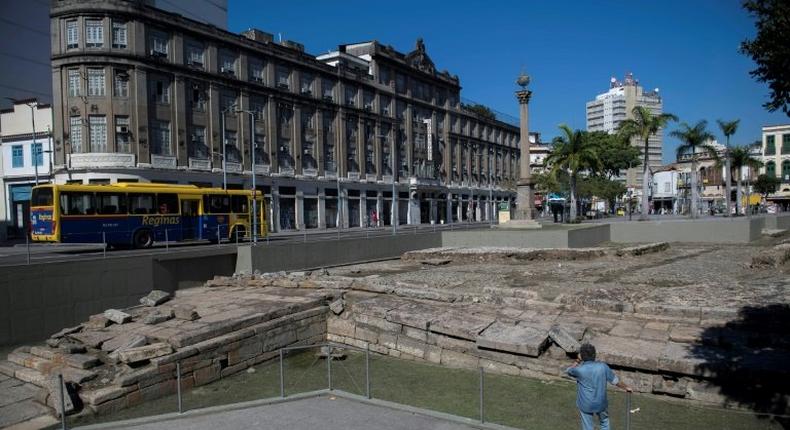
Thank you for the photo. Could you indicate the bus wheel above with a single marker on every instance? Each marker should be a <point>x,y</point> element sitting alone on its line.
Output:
<point>240,231</point>
<point>143,239</point>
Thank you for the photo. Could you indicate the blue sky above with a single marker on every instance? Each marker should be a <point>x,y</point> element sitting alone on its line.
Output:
<point>688,49</point>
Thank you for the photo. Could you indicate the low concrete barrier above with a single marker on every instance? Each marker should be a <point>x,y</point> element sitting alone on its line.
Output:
<point>555,237</point>
<point>778,221</point>
<point>724,230</point>
<point>307,255</point>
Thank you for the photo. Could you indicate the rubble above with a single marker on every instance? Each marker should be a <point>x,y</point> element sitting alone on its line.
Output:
<point>143,353</point>
<point>642,249</point>
<point>185,312</point>
<point>116,316</point>
<point>155,298</point>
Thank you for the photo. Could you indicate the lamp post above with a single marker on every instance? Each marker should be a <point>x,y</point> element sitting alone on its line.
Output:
<point>252,168</point>
<point>222,140</point>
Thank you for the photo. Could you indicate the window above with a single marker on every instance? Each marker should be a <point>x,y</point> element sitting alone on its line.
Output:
<point>328,89</point>
<point>239,204</point>
<point>257,71</point>
<point>120,84</point>
<point>160,90</point>
<point>98,133</point>
<point>111,203</point>
<point>76,134</point>
<point>770,145</point>
<point>37,154</point>
<point>400,83</point>
<point>159,44</point>
<point>95,82</point>
<point>329,141</point>
<point>198,148</point>
<point>122,134</point>
<point>227,101</point>
<point>351,95</point>
<point>94,33</point>
<point>786,170</point>
<point>195,54</point>
<point>72,35</point>
<point>770,168</point>
<point>160,138</point>
<point>385,103</point>
<point>786,144</point>
<point>17,156</point>
<point>77,203</point>
<point>119,38</point>
<point>167,203</point>
<point>283,77</point>
<point>141,204</point>
<point>74,82</point>
<point>306,84</point>
<point>198,97</point>
<point>41,197</point>
<point>227,63</point>
<point>216,204</point>
<point>367,100</point>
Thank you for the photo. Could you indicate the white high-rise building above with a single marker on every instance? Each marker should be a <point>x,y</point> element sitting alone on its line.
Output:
<point>611,108</point>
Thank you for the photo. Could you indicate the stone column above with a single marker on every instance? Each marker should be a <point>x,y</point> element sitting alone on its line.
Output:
<point>524,199</point>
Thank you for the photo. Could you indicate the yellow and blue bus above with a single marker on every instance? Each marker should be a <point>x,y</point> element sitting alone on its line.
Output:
<point>139,214</point>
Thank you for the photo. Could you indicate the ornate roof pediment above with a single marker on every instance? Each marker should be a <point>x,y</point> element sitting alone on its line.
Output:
<point>419,59</point>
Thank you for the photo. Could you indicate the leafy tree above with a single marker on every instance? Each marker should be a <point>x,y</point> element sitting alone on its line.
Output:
<point>740,157</point>
<point>728,128</point>
<point>481,110</point>
<point>605,188</point>
<point>693,139</point>
<point>643,125</point>
<point>616,153</point>
<point>573,152</point>
<point>766,184</point>
<point>770,49</point>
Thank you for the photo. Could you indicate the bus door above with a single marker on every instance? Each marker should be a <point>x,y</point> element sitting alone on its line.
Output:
<point>190,221</point>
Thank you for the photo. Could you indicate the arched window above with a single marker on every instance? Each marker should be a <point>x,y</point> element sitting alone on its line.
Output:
<point>786,170</point>
<point>770,168</point>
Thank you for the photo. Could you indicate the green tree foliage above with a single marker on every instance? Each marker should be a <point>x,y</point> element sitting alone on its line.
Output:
<point>770,49</point>
<point>574,152</point>
<point>601,187</point>
<point>694,141</point>
<point>616,153</point>
<point>728,128</point>
<point>766,184</point>
<point>481,110</point>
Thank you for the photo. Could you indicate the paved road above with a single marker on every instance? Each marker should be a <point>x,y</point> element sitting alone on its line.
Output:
<point>325,412</point>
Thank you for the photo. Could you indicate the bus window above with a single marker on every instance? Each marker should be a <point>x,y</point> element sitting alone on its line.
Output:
<point>217,204</point>
<point>239,204</point>
<point>111,203</point>
<point>141,204</point>
<point>168,203</point>
<point>77,203</point>
<point>41,197</point>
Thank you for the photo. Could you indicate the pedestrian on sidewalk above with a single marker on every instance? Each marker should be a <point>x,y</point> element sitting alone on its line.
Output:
<point>591,379</point>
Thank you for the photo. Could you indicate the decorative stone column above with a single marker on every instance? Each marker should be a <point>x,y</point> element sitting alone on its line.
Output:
<point>524,214</point>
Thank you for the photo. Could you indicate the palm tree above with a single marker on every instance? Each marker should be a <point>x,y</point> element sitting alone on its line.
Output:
<point>694,141</point>
<point>740,157</point>
<point>573,152</point>
<point>643,125</point>
<point>728,128</point>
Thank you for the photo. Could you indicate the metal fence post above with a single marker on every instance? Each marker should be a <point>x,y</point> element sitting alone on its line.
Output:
<point>282,376</point>
<point>62,403</point>
<point>104,243</point>
<point>27,245</point>
<point>219,239</point>
<point>628,410</point>
<point>482,416</point>
<point>367,370</point>
<point>167,241</point>
<point>237,237</point>
<point>329,366</point>
<point>178,386</point>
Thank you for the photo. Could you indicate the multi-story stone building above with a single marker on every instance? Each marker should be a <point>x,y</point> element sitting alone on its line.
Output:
<point>611,108</point>
<point>145,95</point>
<point>775,155</point>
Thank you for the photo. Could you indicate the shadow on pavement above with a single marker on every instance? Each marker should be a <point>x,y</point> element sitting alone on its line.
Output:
<point>748,358</point>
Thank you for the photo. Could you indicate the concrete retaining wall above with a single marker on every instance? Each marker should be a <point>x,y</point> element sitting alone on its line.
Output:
<point>293,256</point>
<point>570,237</point>
<point>733,230</point>
<point>778,222</point>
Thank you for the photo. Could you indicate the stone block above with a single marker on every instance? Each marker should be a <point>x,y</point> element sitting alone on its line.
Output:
<point>627,328</point>
<point>337,306</point>
<point>686,359</point>
<point>147,352</point>
<point>447,342</point>
<point>233,369</point>
<point>669,385</point>
<point>415,333</point>
<point>109,407</point>
<point>458,360</point>
<point>116,316</point>
<point>563,339</point>
<point>77,376</point>
<point>97,322</point>
<point>92,339</point>
<point>158,390</point>
<point>44,352</point>
<point>68,347</point>
<point>499,368</point>
<point>706,392</point>
<point>366,334</point>
<point>207,374</point>
<point>54,388</point>
<point>65,331</point>
<point>30,361</point>
<point>185,312</point>
<point>461,325</point>
<point>415,314</point>
<point>388,340</point>
<point>101,395</point>
<point>433,354</point>
<point>245,352</point>
<point>410,346</point>
<point>31,376</point>
<point>341,327</point>
<point>80,361</point>
<point>685,333</point>
<point>630,353</point>
<point>158,316</point>
<point>654,330</point>
<point>517,339</point>
<point>379,323</point>
<point>310,331</point>
<point>155,298</point>
<point>639,382</point>
<point>124,341</point>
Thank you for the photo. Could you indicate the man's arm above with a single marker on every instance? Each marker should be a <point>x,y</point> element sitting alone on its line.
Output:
<point>622,385</point>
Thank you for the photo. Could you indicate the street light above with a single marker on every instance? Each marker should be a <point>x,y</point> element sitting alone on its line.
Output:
<point>252,165</point>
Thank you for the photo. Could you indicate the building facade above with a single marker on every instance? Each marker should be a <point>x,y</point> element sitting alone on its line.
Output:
<point>362,136</point>
<point>25,149</point>
<point>611,108</point>
<point>775,155</point>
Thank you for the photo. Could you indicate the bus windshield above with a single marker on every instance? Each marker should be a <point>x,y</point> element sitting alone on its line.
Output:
<point>41,197</point>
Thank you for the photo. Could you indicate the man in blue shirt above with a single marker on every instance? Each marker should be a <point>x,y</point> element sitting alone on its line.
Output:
<point>591,378</point>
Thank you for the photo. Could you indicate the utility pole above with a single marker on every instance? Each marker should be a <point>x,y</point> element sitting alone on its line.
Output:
<point>252,167</point>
